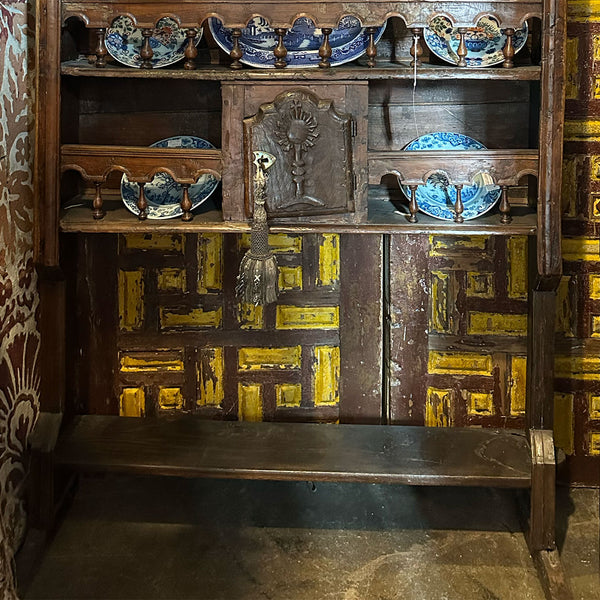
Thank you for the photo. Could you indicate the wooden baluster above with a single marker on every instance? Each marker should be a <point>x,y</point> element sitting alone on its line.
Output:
<point>98,212</point>
<point>325,48</point>
<point>101,50</point>
<point>280,51</point>
<point>190,50</point>
<point>509,49</point>
<point>459,207</point>
<point>371,48</point>
<point>461,52</point>
<point>416,50</point>
<point>142,204</point>
<point>186,203</point>
<point>236,52</point>
<point>146,52</point>
<point>413,207</point>
<point>505,206</point>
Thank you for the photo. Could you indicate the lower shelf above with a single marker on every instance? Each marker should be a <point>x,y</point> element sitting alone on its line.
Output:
<point>191,447</point>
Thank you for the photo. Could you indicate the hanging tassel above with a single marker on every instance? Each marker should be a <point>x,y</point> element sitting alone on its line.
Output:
<point>257,280</point>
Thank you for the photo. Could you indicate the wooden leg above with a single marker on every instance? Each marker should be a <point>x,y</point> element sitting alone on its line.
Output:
<point>552,575</point>
<point>543,484</point>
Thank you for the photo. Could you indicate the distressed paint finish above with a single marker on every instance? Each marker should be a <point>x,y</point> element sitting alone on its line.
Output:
<point>196,318</point>
<point>164,360</point>
<point>210,377</point>
<point>210,263</point>
<point>329,260</point>
<point>327,375</point>
<point>308,317</point>
<point>438,409</point>
<point>131,299</point>
<point>132,402</point>
<point>170,398</point>
<point>250,402</point>
<point>253,359</point>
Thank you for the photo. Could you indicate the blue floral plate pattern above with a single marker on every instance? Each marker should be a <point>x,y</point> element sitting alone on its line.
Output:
<point>436,198</point>
<point>348,41</point>
<point>163,193</point>
<point>168,42</point>
<point>484,42</point>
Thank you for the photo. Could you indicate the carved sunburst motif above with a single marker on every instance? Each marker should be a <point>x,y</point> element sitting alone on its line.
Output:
<point>297,129</point>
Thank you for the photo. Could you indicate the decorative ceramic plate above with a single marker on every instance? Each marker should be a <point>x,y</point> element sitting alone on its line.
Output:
<point>168,42</point>
<point>437,197</point>
<point>484,42</point>
<point>163,193</point>
<point>348,41</point>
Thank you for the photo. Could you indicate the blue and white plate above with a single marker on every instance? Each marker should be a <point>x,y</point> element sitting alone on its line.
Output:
<point>348,41</point>
<point>163,193</point>
<point>484,42</point>
<point>436,198</point>
<point>168,42</point>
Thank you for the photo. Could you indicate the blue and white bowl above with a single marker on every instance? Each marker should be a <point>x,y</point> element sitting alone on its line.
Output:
<point>163,194</point>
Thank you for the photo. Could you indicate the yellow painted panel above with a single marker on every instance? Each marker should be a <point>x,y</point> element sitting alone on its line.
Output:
<point>517,385</point>
<point>438,409</point>
<point>134,362</point>
<point>594,406</point>
<point>280,243</point>
<point>569,187</point>
<point>595,168</point>
<point>250,316</point>
<point>481,403</point>
<point>290,278</point>
<point>146,241</point>
<point>308,317</point>
<point>582,130</point>
<point>439,318</point>
<point>585,368</point>
<point>583,10</point>
<point>457,363</point>
<point>594,207</point>
<point>210,377</point>
<point>329,260</point>
<point>170,398</point>
<point>517,271</point>
<point>595,325</point>
<point>250,407</point>
<point>564,435</point>
<point>439,245</point>
<point>480,285</point>
<point>581,248</point>
<point>483,323</point>
<point>132,402</point>
<point>196,318</point>
<point>288,394</point>
<point>596,47</point>
<point>210,262</point>
<point>131,299</point>
<point>572,69</point>
<point>594,444</point>
<point>253,359</point>
<point>596,87</point>
<point>594,283</point>
<point>327,375</point>
<point>563,307</point>
<point>171,279</point>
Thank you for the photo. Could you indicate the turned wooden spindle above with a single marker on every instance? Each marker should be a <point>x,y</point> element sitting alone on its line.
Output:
<point>505,217</point>
<point>280,51</point>
<point>509,49</point>
<point>325,48</point>
<point>98,212</point>
<point>236,52</point>
<point>416,50</point>
<point>459,207</point>
<point>461,52</point>
<point>413,207</point>
<point>146,52</point>
<point>101,50</point>
<point>371,48</point>
<point>186,203</point>
<point>190,50</point>
<point>142,204</point>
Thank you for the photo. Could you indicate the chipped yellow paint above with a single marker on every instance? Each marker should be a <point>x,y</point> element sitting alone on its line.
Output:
<point>308,317</point>
<point>594,405</point>
<point>210,262</point>
<point>564,316</point>
<point>572,69</point>
<point>457,363</point>
<point>585,368</point>
<point>582,130</point>
<point>210,377</point>
<point>132,402</point>
<point>440,320</point>
<point>250,405</point>
<point>594,207</point>
<point>290,278</point>
<point>583,11</point>
<point>596,87</point>
<point>133,362</point>
<point>596,47</point>
<point>480,285</point>
<point>131,299</point>
<point>517,385</point>
<point>481,403</point>
<point>484,323</point>
<point>439,245</point>
<point>288,394</point>
<point>147,241</point>
<point>326,384</point>
<point>329,260</point>
<point>517,271</point>
<point>196,318</point>
<point>250,316</point>
<point>438,408</point>
<point>581,249</point>
<point>595,168</point>
<point>255,359</point>
<point>564,435</point>
<point>280,243</point>
<point>171,279</point>
<point>170,398</point>
<point>594,283</point>
<point>569,187</point>
<point>595,325</point>
<point>594,443</point>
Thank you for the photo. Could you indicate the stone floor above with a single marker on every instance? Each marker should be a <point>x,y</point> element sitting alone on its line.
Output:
<point>150,538</point>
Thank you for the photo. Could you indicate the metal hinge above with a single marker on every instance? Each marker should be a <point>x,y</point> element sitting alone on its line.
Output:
<point>355,181</point>
<point>353,127</point>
